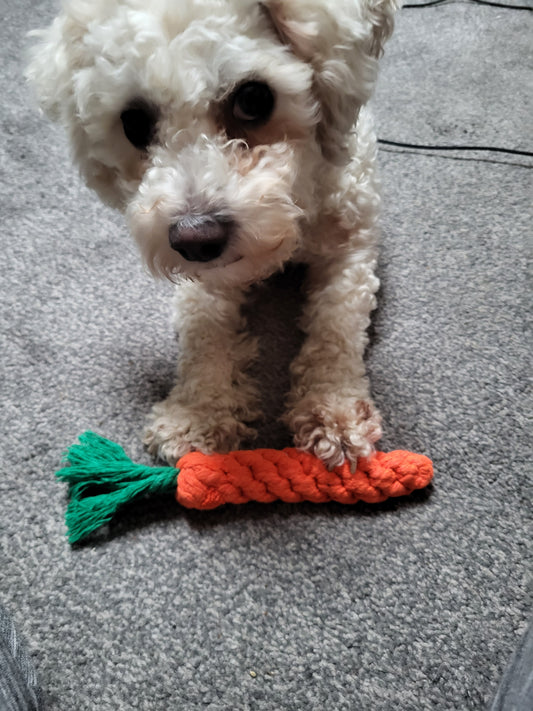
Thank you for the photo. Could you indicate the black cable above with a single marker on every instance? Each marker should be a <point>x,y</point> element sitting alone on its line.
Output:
<point>504,6</point>
<point>426,4</point>
<point>497,4</point>
<point>491,149</point>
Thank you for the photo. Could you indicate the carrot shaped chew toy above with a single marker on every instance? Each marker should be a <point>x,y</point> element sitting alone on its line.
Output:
<point>102,478</point>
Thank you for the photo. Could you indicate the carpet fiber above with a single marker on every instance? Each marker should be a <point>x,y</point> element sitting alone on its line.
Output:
<point>413,604</point>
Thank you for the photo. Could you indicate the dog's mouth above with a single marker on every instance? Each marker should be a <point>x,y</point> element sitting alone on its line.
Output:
<point>198,268</point>
<point>215,247</point>
<point>222,263</point>
<point>201,253</point>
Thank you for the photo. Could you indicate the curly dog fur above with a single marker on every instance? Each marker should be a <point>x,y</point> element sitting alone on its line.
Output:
<point>234,136</point>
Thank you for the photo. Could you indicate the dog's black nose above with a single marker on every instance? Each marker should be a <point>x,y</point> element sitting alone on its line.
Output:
<point>199,238</point>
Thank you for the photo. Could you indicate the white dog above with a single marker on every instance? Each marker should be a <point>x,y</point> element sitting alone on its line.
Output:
<point>232,134</point>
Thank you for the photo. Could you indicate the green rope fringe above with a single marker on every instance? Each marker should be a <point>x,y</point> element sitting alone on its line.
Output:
<point>101,479</point>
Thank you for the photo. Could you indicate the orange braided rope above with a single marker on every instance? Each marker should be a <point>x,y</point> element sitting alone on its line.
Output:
<point>208,481</point>
<point>102,478</point>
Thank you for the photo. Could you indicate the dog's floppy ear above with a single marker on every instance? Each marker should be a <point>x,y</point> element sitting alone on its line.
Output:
<point>59,69</point>
<point>342,40</point>
<point>52,63</point>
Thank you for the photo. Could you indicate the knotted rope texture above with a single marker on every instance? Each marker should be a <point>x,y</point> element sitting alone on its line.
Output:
<point>102,478</point>
<point>264,475</point>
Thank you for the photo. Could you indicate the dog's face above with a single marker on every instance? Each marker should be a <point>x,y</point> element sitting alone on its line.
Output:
<point>210,122</point>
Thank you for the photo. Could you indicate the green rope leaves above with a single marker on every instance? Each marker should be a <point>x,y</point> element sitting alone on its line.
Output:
<point>101,479</point>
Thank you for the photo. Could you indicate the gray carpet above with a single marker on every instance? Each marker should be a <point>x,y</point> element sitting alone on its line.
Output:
<point>415,604</point>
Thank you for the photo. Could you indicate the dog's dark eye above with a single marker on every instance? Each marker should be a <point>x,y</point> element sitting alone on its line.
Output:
<point>253,102</point>
<point>139,123</point>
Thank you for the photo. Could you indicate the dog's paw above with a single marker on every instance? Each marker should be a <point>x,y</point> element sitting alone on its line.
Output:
<point>175,429</point>
<point>335,428</point>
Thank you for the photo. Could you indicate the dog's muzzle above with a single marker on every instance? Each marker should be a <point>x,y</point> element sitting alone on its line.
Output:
<point>199,238</point>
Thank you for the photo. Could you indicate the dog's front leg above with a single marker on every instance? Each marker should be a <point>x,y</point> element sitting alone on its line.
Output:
<point>329,408</point>
<point>213,397</point>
